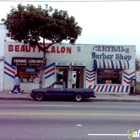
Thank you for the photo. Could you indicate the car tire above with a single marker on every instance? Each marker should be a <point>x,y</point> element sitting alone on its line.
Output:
<point>39,96</point>
<point>78,97</point>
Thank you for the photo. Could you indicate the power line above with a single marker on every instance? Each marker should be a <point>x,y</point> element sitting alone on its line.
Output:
<point>66,0</point>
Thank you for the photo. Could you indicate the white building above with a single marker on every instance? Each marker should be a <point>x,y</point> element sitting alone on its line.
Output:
<point>2,31</point>
<point>105,68</point>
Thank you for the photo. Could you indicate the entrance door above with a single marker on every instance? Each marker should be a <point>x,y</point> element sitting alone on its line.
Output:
<point>78,77</point>
<point>62,74</point>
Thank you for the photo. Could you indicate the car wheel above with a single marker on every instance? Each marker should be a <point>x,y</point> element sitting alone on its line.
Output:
<point>78,97</point>
<point>39,96</point>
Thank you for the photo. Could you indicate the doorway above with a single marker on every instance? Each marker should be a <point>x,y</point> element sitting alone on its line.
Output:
<point>62,74</point>
<point>78,77</point>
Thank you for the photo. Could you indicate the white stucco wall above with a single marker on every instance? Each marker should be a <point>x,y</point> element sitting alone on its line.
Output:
<point>2,37</point>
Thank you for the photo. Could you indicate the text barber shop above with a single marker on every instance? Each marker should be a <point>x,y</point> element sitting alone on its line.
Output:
<point>28,68</point>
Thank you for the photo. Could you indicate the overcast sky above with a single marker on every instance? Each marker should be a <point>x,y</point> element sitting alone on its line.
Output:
<point>112,23</point>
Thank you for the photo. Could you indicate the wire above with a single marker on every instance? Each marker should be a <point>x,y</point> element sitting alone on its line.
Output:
<point>66,0</point>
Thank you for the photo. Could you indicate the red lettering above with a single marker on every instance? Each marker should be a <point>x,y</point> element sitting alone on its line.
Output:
<point>28,48</point>
<point>68,50</point>
<point>53,49</point>
<point>10,48</point>
<point>34,47</point>
<point>16,48</point>
<point>22,48</point>
<point>63,49</point>
<point>39,50</point>
<point>58,51</point>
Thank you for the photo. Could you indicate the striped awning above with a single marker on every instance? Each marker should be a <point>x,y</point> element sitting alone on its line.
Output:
<point>110,64</point>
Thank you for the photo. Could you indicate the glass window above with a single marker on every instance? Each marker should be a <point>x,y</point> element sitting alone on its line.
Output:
<point>29,74</point>
<point>109,76</point>
<point>58,85</point>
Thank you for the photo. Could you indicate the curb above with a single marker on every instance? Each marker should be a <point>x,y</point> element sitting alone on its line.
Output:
<point>15,98</point>
<point>93,99</point>
<point>116,100</point>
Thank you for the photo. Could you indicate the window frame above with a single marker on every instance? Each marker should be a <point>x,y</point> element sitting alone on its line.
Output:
<point>110,77</point>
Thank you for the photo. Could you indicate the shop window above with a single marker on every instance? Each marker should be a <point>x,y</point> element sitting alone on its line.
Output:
<point>29,74</point>
<point>109,76</point>
<point>62,75</point>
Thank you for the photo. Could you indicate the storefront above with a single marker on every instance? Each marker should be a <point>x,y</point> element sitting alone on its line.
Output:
<point>61,63</point>
<point>105,68</point>
<point>114,68</point>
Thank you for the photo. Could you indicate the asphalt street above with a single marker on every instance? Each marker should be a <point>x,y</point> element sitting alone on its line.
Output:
<point>61,120</point>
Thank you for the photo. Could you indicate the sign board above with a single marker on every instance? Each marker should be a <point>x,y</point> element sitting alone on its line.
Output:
<point>30,70</point>
<point>62,63</point>
<point>27,61</point>
<point>108,82</point>
<point>78,64</point>
<point>138,76</point>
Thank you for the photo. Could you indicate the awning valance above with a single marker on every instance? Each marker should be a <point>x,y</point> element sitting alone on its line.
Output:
<point>110,64</point>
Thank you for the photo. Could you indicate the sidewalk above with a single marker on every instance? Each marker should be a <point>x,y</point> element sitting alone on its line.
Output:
<point>14,96</point>
<point>99,97</point>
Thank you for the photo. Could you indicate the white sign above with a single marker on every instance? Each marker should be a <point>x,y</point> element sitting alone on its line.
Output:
<point>138,76</point>
<point>62,64</point>
<point>78,64</point>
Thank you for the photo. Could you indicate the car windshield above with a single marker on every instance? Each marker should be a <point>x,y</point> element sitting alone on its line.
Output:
<point>57,85</point>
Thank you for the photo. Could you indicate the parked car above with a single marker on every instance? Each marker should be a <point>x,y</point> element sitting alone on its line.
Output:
<point>58,90</point>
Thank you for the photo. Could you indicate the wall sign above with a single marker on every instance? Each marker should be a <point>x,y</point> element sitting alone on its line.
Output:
<point>27,61</point>
<point>109,48</point>
<point>30,70</point>
<point>78,64</point>
<point>110,56</point>
<point>138,76</point>
<point>28,49</point>
<point>62,64</point>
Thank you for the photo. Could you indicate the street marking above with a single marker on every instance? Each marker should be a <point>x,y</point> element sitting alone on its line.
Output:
<point>107,134</point>
<point>68,114</point>
<point>47,105</point>
<point>79,125</point>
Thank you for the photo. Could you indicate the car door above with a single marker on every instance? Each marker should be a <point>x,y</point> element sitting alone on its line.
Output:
<point>56,91</point>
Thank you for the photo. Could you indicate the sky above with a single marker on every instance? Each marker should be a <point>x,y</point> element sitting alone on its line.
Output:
<point>107,23</point>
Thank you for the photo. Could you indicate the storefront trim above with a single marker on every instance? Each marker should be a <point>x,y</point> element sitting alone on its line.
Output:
<point>110,88</point>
